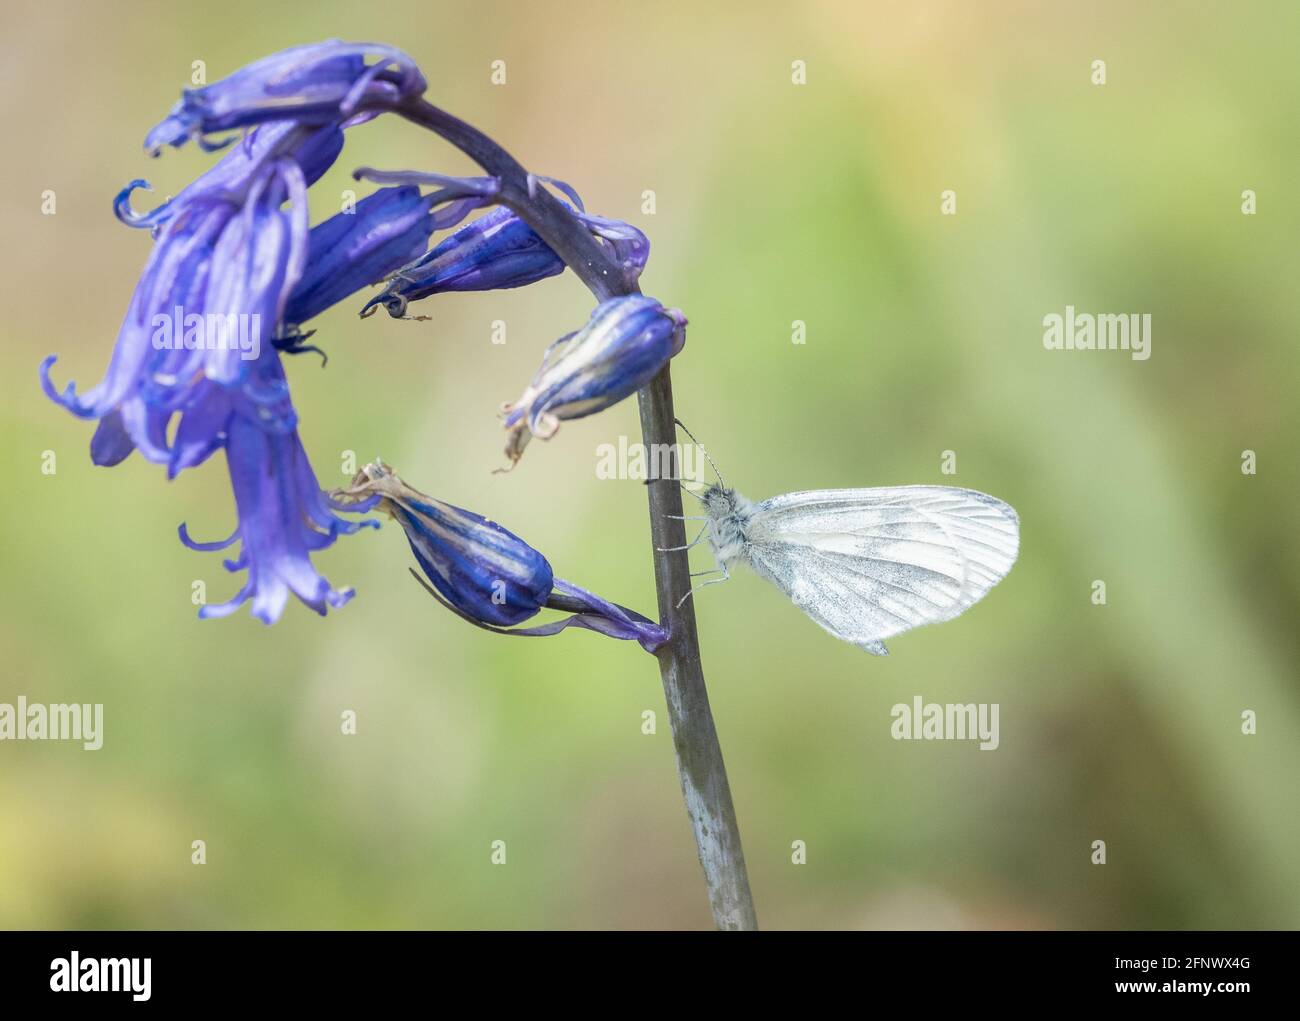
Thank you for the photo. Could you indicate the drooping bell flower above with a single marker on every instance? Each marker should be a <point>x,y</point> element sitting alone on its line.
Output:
<point>500,251</point>
<point>205,309</point>
<point>225,246</point>
<point>195,368</point>
<point>383,232</point>
<point>486,574</point>
<point>283,514</point>
<point>319,83</point>
<point>625,343</point>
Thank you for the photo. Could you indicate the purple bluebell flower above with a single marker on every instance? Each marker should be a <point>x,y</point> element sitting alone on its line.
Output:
<point>625,343</point>
<point>499,251</point>
<point>218,260</point>
<point>486,574</point>
<point>284,517</point>
<point>320,83</point>
<point>195,368</point>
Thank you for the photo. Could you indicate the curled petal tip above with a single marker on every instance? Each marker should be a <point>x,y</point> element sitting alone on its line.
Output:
<point>123,211</point>
<point>68,397</point>
<point>545,426</point>
<point>339,597</point>
<point>215,611</point>
<point>204,547</point>
<point>173,130</point>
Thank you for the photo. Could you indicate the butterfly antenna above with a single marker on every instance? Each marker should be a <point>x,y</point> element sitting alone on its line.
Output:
<point>688,491</point>
<point>712,463</point>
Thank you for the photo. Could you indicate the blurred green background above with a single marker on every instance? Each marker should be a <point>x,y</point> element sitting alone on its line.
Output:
<point>775,202</point>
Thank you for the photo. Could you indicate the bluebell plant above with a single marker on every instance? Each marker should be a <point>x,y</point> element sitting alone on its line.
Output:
<point>236,271</point>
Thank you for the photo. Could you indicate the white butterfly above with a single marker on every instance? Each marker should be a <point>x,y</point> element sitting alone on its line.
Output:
<point>868,564</point>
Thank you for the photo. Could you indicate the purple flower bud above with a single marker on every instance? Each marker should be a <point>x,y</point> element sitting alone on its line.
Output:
<point>625,343</point>
<point>486,574</point>
<point>319,83</point>
<point>362,246</point>
<point>500,251</point>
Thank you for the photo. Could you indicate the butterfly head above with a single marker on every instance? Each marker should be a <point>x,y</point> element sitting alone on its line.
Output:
<point>729,514</point>
<point>719,501</point>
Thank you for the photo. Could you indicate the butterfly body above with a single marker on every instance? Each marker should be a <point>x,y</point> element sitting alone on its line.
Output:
<point>868,564</point>
<point>729,516</point>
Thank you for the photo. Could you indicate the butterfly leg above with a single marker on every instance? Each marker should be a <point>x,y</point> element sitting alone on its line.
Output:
<point>693,542</point>
<point>726,576</point>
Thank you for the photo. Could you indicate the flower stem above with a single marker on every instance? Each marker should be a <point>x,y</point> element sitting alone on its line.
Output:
<point>695,738</point>
<point>699,755</point>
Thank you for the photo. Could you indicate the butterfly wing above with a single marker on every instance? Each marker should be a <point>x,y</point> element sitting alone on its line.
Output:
<point>868,564</point>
